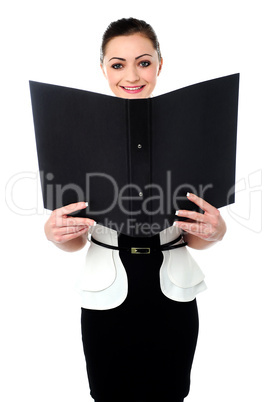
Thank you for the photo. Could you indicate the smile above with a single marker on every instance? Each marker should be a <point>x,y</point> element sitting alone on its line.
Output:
<point>133,90</point>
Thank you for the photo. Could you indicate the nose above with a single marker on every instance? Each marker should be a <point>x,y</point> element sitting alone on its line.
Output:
<point>132,74</point>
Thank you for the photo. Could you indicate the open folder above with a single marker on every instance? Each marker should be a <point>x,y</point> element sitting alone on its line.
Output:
<point>134,161</point>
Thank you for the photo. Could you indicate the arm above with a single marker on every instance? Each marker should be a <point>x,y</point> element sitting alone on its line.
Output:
<point>202,230</point>
<point>66,232</point>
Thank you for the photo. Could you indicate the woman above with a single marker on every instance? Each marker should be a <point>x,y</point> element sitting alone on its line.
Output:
<point>139,312</point>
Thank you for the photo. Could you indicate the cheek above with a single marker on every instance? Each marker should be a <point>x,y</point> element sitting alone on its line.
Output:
<point>112,77</point>
<point>151,75</point>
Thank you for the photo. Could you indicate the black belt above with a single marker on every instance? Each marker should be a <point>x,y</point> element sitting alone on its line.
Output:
<point>144,250</point>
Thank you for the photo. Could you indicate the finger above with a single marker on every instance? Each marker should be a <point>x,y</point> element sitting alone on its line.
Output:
<point>61,214</point>
<point>70,221</point>
<point>74,235</point>
<point>66,230</point>
<point>192,215</point>
<point>204,205</point>
<point>63,238</point>
<point>202,236</point>
<point>195,228</point>
<point>68,209</point>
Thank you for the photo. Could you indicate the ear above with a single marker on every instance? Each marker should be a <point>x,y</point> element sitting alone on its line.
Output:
<point>103,70</point>
<point>160,66</point>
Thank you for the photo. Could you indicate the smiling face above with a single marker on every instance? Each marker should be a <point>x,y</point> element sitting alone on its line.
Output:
<point>131,66</point>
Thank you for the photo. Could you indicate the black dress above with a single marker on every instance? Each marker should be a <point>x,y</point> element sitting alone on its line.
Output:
<point>142,350</point>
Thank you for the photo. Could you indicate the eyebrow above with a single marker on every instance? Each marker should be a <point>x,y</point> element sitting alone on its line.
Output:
<point>138,57</point>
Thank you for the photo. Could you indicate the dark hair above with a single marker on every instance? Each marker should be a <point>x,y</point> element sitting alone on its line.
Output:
<point>126,27</point>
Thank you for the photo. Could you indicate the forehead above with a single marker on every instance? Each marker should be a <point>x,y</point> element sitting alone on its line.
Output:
<point>129,46</point>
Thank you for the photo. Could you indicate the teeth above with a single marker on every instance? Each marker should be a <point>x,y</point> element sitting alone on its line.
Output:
<point>133,89</point>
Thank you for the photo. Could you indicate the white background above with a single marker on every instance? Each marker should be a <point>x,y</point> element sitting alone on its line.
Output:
<point>58,42</point>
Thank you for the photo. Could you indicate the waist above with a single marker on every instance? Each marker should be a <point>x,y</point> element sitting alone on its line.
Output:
<point>141,245</point>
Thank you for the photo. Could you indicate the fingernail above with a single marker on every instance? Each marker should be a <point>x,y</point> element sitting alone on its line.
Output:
<point>174,223</point>
<point>177,212</point>
<point>188,194</point>
<point>86,204</point>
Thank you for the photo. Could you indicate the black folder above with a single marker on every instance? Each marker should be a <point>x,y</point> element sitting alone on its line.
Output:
<point>134,161</point>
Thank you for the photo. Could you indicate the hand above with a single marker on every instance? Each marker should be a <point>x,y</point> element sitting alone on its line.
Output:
<point>209,226</point>
<point>61,228</point>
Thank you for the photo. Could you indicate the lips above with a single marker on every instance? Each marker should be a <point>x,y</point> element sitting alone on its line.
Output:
<point>133,90</point>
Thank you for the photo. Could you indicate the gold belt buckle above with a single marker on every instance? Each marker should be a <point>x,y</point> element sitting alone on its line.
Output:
<point>140,250</point>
